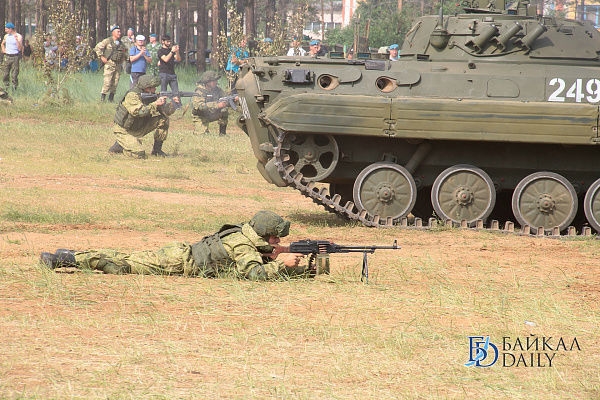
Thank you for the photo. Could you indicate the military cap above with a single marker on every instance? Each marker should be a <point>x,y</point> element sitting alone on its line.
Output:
<point>266,223</point>
<point>208,76</point>
<point>148,81</point>
<point>114,27</point>
<point>394,47</point>
<point>9,25</point>
<point>314,42</point>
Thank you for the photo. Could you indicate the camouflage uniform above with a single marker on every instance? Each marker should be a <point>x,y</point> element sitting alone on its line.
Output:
<point>152,68</point>
<point>116,55</point>
<point>236,250</point>
<point>134,120</point>
<point>205,108</point>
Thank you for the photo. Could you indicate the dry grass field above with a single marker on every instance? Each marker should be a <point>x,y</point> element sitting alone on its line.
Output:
<point>403,335</point>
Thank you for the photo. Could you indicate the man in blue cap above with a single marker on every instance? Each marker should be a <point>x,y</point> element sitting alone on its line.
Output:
<point>394,52</point>
<point>314,48</point>
<point>153,48</point>
<point>112,52</point>
<point>12,47</point>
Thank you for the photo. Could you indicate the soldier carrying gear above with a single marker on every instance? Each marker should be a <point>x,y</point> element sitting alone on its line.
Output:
<point>112,53</point>
<point>243,250</point>
<point>134,119</point>
<point>206,107</point>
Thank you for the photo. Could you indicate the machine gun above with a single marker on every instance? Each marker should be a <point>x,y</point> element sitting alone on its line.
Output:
<point>148,98</point>
<point>313,248</point>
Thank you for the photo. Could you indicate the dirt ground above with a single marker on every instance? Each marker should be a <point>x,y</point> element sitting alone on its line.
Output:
<point>402,335</point>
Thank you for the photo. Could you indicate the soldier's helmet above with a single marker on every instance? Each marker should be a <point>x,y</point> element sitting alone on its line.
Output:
<point>266,223</point>
<point>208,76</point>
<point>148,81</point>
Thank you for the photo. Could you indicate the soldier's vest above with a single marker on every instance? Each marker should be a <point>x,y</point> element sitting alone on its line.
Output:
<point>115,52</point>
<point>125,120</point>
<point>210,254</point>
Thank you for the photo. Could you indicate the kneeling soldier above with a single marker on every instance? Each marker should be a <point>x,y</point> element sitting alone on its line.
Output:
<point>207,107</point>
<point>134,119</point>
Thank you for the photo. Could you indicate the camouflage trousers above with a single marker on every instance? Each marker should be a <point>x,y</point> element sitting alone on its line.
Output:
<point>131,140</point>
<point>202,121</point>
<point>112,73</point>
<point>173,259</point>
<point>10,71</point>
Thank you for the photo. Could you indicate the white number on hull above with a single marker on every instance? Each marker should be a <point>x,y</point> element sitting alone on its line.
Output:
<point>575,93</point>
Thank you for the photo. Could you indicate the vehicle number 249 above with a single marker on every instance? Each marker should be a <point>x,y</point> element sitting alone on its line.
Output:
<point>580,91</point>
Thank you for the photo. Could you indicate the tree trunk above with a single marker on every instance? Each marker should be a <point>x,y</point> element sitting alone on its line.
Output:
<point>249,16</point>
<point>202,28</point>
<point>102,14</point>
<point>3,11</point>
<point>270,17</point>
<point>163,18</point>
<point>215,34</point>
<point>91,17</point>
<point>146,17</point>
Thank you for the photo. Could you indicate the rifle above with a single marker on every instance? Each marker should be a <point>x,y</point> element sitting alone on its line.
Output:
<point>230,100</point>
<point>313,248</point>
<point>148,98</point>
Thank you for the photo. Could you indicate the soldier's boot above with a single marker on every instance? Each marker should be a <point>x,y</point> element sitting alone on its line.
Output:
<point>116,148</point>
<point>222,130</point>
<point>61,258</point>
<point>157,149</point>
<point>103,97</point>
<point>111,97</point>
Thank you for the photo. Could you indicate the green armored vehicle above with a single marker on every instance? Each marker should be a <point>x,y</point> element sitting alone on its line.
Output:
<point>489,114</point>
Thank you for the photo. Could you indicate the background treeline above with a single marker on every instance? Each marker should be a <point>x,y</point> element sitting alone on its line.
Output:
<point>189,22</point>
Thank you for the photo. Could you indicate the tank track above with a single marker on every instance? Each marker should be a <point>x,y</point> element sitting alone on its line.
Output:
<point>332,203</point>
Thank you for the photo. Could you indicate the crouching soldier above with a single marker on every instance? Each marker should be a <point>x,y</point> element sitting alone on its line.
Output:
<point>207,107</point>
<point>140,112</point>
<point>246,251</point>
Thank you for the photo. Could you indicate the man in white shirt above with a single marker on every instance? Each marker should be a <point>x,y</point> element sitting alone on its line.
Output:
<point>12,47</point>
<point>295,48</point>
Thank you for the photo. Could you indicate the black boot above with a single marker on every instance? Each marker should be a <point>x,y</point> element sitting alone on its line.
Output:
<point>157,149</point>
<point>222,130</point>
<point>116,148</point>
<point>62,258</point>
<point>111,97</point>
<point>102,97</point>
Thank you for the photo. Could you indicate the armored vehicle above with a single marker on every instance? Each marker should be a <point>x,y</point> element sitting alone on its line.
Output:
<point>488,115</point>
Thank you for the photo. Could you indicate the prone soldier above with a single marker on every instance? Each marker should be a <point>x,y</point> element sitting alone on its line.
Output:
<point>134,119</point>
<point>243,251</point>
<point>208,106</point>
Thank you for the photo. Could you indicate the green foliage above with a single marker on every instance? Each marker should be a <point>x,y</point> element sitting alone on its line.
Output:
<point>69,53</point>
<point>382,23</point>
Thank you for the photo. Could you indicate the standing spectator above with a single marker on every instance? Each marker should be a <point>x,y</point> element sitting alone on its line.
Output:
<point>295,48</point>
<point>12,46</point>
<point>394,52</point>
<point>237,57</point>
<point>112,53</point>
<point>315,47</point>
<point>167,55</point>
<point>50,50</point>
<point>153,47</point>
<point>26,50</point>
<point>139,58</point>
<point>129,41</point>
